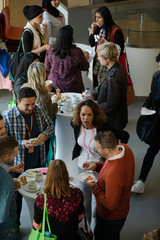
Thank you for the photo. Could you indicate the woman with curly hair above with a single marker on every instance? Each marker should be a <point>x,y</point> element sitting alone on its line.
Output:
<point>64,203</point>
<point>88,120</point>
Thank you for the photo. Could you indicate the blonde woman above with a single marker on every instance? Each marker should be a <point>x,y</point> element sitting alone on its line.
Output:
<point>36,79</point>
<point>64,203</point>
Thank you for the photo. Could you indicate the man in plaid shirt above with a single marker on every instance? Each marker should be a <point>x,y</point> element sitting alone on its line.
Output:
<point>24,121</point>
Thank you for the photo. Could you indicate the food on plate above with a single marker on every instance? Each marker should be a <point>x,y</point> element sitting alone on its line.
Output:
<point>33,141</point>
<point>22,162</point>
<point>89,178</point>
<point>84,169</point>
<point>34,170</point>
<point>24,180</point>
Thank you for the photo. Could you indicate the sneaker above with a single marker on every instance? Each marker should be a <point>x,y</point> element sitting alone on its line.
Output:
<point>138,187</point>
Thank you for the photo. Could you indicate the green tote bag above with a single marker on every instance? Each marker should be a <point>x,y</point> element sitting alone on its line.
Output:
<point>36,234</point>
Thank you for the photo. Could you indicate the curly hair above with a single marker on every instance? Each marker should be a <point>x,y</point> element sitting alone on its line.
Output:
<point>99,116</point>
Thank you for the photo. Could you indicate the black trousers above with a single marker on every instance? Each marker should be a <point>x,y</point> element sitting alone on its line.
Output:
<point>149,158</point>
<point>108,229</point>
<point>18,198</point>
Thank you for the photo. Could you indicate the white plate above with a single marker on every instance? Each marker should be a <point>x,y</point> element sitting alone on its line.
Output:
<point>83,176</point>
<point>145,111</point>
<point>29,190</point>
<point>29,173</point>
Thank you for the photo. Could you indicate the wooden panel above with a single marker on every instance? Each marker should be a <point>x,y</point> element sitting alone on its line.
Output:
<point>16,11</point>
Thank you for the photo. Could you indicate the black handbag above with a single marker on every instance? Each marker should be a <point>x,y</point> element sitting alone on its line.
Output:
<point>147,127</point>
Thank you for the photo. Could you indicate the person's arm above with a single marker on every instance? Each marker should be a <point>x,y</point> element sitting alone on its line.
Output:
<point>119,39</point>
<point>149,101</point>
<point>113,96</point>
<point>47,63</point>
<point>38,215</point>
<point>6,197</point>
<point>18,83</point>
<point>83,63</point>
<point>110,195</point>
<point>91,36</point>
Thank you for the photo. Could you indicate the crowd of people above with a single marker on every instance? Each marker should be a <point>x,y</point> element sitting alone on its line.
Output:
<point>98,124</point>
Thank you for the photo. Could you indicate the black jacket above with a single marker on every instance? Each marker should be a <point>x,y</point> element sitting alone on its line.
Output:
<point>121,135</point>
<point>112,96</point>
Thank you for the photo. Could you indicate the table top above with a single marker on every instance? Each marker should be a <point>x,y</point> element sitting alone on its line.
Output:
<point>62,113</point>
<point>40,185</point>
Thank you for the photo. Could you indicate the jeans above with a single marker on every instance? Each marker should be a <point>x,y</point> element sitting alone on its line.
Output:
<point>11,234</point>
<point>149,158</point>
<point>89,202</point>
<point>108,228</point>
<point>18,198</point>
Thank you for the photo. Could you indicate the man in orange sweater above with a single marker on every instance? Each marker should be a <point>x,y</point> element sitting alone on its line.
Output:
<point>113,187</point>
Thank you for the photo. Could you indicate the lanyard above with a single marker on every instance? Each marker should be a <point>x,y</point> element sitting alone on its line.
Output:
<point>30,130</point>
<point>59,18</point>
<point>40,35</point>
<point>83,137</point>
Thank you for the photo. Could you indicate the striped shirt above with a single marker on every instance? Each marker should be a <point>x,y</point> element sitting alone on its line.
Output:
<point>15,127</point>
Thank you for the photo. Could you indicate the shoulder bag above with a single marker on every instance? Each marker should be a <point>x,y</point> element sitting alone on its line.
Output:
<point>36,234</point>
<point>147,127</point>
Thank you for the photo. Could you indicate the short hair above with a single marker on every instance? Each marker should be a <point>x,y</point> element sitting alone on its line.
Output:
<point>99,116</point>
<point>1,117</point>
<point>107,139</point>
<point>26,92</point>
<point>7,145</point>
<point>158,58</point>
<point>57,181</point>
<point>108,51</point>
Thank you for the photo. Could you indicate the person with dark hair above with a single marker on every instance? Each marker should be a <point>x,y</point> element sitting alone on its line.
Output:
<point>113,186</point>
<point>64,203</point>
<point>18,168</point>
<point>8,222</point>
<point>21,75</point>
<point>65,61</point>
<point>53,18</point>
<point>88,119</point>
<point>152,102</point>
<point>102,30</point>
<point>35,38</point>
<point>26,121</point>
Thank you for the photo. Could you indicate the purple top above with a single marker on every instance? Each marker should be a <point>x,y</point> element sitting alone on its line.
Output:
<point>66,73</point>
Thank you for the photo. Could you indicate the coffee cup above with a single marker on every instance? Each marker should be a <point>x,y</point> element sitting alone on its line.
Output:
<point>32,185</point>
<point>17,184</point>
<point>39,177</point>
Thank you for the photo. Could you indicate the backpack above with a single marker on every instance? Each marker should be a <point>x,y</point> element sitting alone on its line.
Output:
<point>16,58</point>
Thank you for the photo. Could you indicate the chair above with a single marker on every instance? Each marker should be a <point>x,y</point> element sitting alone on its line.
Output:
<point>10,34</point>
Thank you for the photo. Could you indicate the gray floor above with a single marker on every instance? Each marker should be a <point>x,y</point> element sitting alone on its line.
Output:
<point>144,209</point>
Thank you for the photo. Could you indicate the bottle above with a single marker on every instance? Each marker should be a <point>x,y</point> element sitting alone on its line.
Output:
<point>68,105</point>
<point>87,94</point>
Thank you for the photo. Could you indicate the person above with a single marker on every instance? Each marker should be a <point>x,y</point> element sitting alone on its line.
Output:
<point>112,189</point>
<point>112,92</point>
<point>35,38</point>
<point>24,121</point>
<point>64,203</point>
<point>88,119</point>
<point>18,168</point>
<point>65,61</point>
<point>36,80</point>
<point>21,75</point>
<point>8,222</point>
<point>102,30</point>
<point>53,18</point>
<point>152,102</point>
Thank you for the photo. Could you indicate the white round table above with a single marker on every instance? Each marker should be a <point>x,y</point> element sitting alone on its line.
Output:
<point>65,140</point>
<point>31,196</point>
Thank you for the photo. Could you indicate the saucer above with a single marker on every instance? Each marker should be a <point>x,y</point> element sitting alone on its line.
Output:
<point>30,190</point>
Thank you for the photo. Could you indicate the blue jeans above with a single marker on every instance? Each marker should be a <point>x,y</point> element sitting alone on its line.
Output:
<point>108,228</point>
<point>11,234</point>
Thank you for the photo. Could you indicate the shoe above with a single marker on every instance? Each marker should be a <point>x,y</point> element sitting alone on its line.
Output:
<point>138,187</point>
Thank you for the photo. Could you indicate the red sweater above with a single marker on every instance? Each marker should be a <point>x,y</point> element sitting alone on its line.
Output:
<point>113,189</point>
